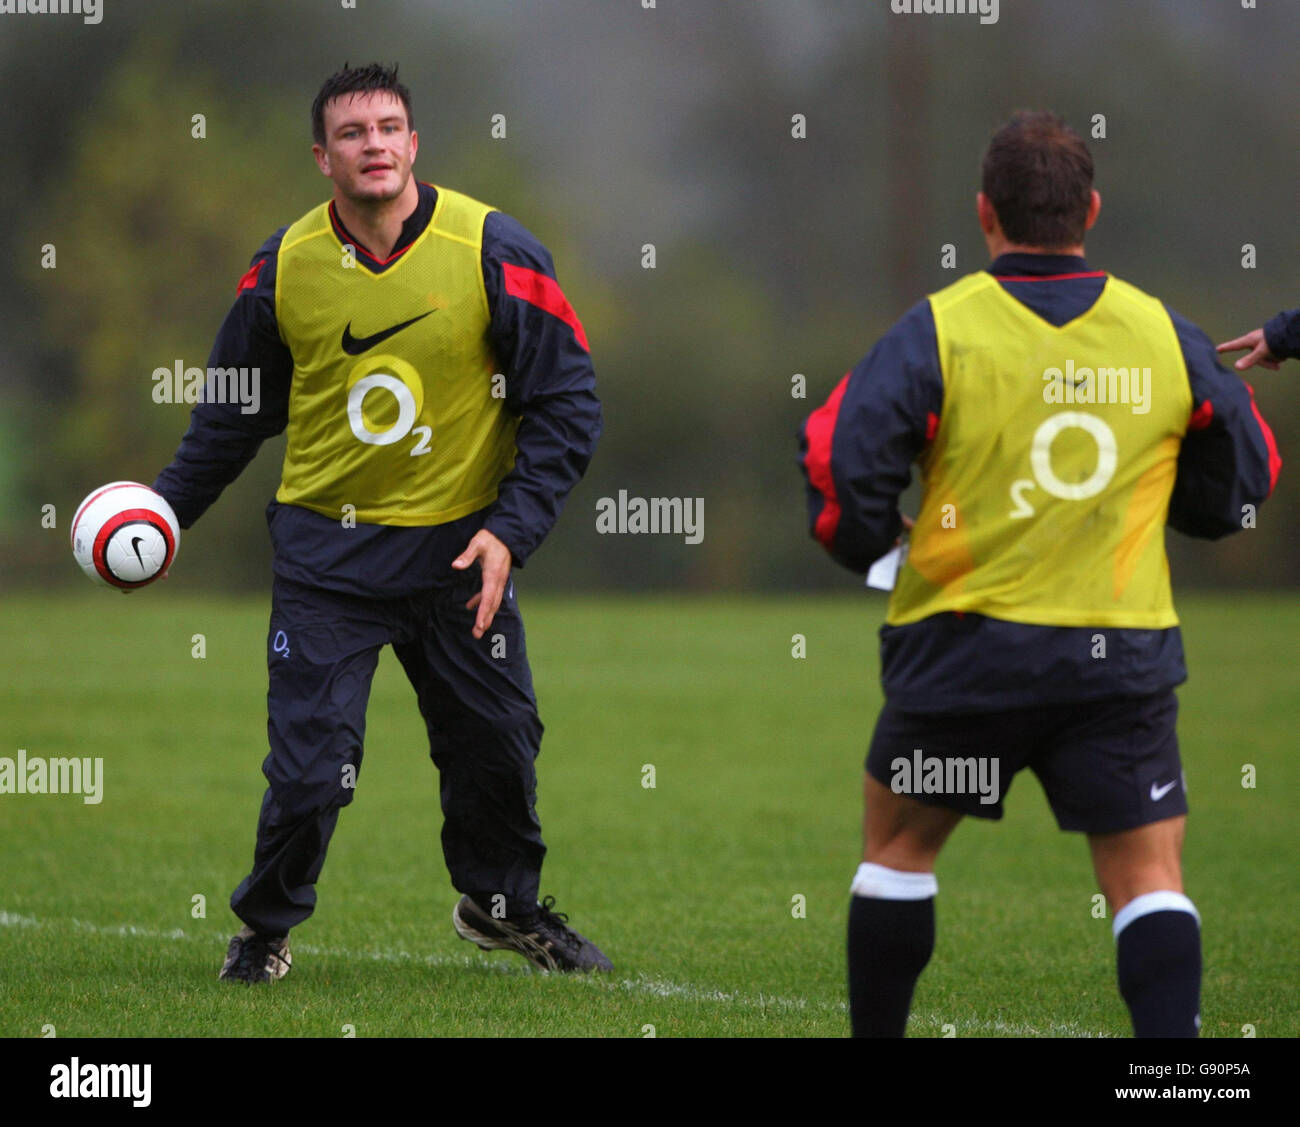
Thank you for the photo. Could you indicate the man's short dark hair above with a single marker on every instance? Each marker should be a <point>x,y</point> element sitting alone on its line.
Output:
<point>1038,176</point>
<point>358,80</point>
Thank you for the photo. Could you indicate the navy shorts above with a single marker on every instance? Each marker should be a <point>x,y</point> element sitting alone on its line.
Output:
<point>1106,765</point>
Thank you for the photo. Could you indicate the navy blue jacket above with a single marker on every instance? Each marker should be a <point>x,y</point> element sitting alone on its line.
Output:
<point>550,385</point>
<point>952,662</point>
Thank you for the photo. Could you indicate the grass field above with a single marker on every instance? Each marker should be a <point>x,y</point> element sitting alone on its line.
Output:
<point>690,886</point>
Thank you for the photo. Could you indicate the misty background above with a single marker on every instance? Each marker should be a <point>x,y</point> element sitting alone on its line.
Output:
<point>626,126</point>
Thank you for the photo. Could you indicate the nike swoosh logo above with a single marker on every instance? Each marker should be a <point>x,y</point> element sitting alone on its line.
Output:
<point>355,346</point>
<point>1157,793</point>
<point>136,541</point>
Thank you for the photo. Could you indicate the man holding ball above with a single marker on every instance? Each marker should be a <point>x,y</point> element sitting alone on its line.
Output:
<point>440,404</point>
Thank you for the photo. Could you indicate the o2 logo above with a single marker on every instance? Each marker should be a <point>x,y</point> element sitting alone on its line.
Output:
<point>374,386</point>
<point>280,643</point>
<point>1040,461</point>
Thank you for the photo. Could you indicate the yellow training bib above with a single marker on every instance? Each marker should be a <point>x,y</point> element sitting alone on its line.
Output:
<point>1047,484</point>
<point>392,409</point>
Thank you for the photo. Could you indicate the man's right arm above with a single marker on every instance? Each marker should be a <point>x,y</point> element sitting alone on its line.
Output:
<point>857,450</point>
<point>222,439</point>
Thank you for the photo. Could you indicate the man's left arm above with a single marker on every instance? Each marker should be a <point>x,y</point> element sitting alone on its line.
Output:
<point>549,383</point>
<point>1228,461</point>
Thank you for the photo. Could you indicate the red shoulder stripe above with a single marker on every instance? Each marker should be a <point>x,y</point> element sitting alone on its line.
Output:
<point>1201,416</point>
<point>249,280</point>
<point>1274,458</point>
<point>545,293</point>
<point>819,431</point>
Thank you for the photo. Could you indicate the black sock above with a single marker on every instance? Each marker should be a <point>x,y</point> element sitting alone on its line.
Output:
<point>890,942</point>
<point>1158,956</point>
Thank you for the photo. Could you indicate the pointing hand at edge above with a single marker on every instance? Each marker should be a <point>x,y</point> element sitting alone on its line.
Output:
<point>1259,354</point>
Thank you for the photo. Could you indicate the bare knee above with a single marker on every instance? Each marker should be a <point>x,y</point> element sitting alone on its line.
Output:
<point>1134,862</point>
<point>901,833</point>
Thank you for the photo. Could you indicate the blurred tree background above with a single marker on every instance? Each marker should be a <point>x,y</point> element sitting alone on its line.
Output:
<point>626,126</point>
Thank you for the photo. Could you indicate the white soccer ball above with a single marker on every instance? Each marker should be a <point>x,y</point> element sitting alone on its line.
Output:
<point>125,535</point>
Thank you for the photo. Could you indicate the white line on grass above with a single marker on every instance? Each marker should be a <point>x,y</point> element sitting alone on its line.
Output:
<point>642,984</point>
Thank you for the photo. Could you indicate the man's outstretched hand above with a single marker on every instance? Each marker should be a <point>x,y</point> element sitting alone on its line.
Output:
<point>494,561</point>
<point>1259,353</point>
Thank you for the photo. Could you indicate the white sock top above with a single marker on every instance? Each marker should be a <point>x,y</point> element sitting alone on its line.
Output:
<point>879,883</point>
<point>1148,902</point>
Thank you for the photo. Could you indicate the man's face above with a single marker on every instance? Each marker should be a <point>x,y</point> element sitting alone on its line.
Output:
<point>369,146</point>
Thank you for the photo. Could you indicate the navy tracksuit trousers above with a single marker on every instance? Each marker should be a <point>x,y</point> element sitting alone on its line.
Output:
<point>484,735</point>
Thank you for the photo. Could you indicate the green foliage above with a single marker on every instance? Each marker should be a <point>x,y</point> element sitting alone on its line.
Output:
<point>775,256</point>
